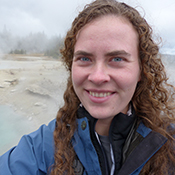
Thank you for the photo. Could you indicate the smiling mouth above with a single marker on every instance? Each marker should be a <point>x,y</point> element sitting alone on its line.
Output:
<point>100,95</point>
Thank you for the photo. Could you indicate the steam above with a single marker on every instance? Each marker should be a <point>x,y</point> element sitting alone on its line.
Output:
<point>32,43</point>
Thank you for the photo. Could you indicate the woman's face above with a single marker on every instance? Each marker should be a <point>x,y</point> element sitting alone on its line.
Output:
<point>105,69</point>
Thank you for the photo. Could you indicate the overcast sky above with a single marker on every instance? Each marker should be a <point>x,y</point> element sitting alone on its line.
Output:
<point>54,17</point>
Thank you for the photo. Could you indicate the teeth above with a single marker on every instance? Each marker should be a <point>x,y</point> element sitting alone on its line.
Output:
<point>95,94</point>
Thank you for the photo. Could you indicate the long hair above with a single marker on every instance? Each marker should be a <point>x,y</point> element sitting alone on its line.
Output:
<point>152,100</point>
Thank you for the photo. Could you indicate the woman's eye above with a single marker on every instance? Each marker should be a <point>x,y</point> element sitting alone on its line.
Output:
<point>84,59</point>
<point>117,59</point>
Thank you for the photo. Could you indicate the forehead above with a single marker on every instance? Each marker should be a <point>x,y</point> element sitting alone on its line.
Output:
<point>113,30</point>
<point>110,21</point>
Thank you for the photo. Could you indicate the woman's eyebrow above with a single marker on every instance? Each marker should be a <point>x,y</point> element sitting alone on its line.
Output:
<point>83,53</point>
<point>118,52</point>
<point>113,53</point>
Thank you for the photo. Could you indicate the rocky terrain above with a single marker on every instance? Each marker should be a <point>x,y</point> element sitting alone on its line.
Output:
<point>31,86</point>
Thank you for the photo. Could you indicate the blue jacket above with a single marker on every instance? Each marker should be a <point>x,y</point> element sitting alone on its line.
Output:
<point>34,154</point>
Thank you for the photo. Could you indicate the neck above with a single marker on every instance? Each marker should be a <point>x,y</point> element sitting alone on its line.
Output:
<point>102,127</point>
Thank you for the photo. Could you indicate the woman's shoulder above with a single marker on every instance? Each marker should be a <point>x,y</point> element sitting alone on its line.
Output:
<point>44,130</point>
<point>34,153</point>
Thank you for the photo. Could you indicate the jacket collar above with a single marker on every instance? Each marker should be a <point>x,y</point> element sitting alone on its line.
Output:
<point>118,132</point>
<point>82,112</point>
<point>144,147</point>
<point>142,143</point>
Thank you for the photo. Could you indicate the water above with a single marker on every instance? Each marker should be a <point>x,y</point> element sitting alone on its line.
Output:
<point>12,127</point>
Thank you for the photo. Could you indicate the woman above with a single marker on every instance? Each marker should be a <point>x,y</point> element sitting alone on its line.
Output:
<point>118,115</point>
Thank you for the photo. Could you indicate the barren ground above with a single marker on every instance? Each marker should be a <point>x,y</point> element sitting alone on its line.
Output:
<point>32,86</point>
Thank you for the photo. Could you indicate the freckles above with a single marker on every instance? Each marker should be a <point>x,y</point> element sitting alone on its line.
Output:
<point>129,90</point>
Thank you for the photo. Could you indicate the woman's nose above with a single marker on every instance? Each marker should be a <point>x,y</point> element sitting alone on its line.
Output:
<point>99,75</point>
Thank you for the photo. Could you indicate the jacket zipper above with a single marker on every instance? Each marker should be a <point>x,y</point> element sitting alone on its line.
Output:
<point>104,155</point>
